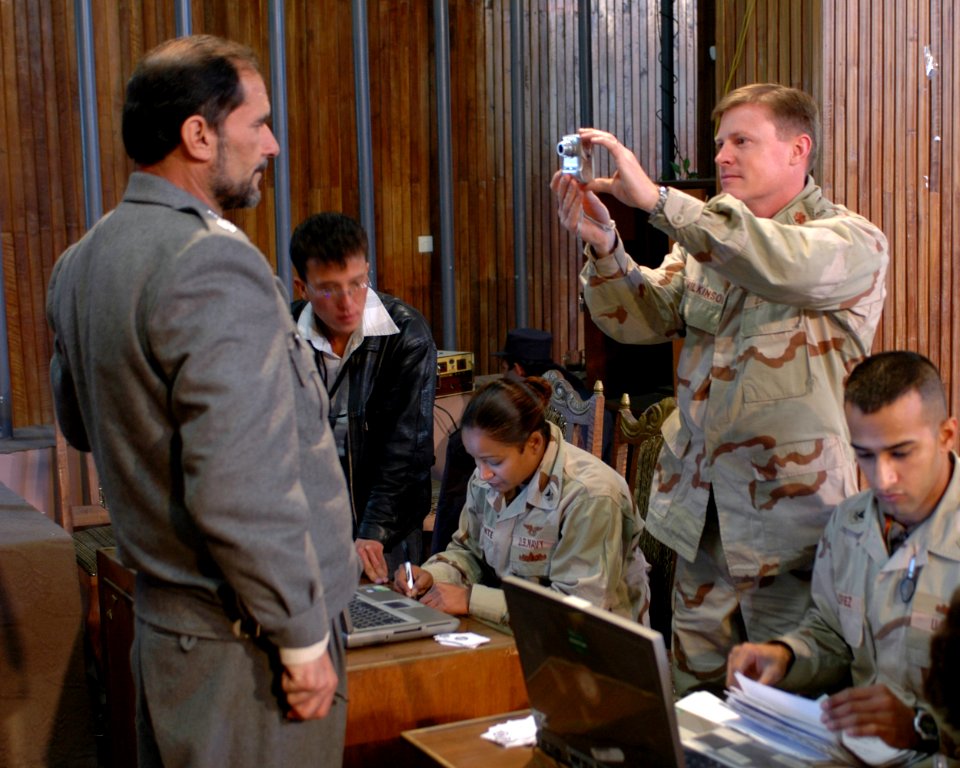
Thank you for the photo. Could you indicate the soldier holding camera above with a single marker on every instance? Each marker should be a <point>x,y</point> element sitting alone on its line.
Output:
<point>775,293</point>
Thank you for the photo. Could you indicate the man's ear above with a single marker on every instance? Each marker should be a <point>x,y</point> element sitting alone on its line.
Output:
<point>802,146</point>
<point>948,433</point>
<point>299,286</point>
<point>198,138</point>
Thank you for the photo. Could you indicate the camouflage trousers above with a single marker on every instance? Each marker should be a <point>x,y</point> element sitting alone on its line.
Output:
<point>713,611</point>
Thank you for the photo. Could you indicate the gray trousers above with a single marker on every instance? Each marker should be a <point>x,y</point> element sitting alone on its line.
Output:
<point>203,702</point>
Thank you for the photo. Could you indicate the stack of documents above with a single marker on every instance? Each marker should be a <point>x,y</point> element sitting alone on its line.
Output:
<point>792,723</point>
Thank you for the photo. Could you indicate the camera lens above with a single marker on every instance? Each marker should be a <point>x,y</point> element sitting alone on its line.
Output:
<point>562,148</point>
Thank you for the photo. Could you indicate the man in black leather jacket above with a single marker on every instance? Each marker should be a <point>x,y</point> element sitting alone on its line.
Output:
<point>378,360</point>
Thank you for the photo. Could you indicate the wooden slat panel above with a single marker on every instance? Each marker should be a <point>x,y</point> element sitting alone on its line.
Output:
<point>43,209</point>
<point>889,145</point>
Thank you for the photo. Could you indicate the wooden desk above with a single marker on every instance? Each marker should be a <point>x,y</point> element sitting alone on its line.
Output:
<point>418,683</point>
<point>458,745</point>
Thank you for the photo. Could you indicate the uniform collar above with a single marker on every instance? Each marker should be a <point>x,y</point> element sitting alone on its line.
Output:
<point>941,529</point>
<point>546,484</point>
<point>797,211</point>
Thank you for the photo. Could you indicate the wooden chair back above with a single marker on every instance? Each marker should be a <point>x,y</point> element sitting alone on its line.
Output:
<point>79,503</point>
<point>580,420</point>
<point>636,446</point>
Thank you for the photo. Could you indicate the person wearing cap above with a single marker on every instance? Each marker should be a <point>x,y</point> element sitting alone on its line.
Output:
<point>528,353</point>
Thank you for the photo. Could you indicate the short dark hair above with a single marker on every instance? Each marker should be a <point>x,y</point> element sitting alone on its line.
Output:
<point>194,75</point>
<point>329,238</point>
<point>793,110</point>
<point>510,409</point>
<point>881,379</point>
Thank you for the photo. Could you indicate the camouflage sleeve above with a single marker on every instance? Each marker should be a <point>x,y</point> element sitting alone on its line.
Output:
<point>588,559</point>
<point>462,562</point>
<point>832,262</point>
<point>822,656</point>
<point>631,303</point>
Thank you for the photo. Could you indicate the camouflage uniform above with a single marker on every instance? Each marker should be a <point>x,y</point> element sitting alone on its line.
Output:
<point>773,313</point>
<point>859,624</point>
<point>574,527</point>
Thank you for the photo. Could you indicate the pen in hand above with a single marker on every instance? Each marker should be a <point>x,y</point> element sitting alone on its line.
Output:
<point>407,568</point>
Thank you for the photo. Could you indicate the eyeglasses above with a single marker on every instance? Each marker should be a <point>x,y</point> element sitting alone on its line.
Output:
<point>338,293</point>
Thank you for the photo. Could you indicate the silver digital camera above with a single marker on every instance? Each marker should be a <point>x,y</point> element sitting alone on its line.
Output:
<point>575,158</point>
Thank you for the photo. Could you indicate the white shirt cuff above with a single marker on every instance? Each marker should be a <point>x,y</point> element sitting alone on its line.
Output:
<point>293,656</point>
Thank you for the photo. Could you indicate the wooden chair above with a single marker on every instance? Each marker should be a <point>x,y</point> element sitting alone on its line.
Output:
<point>636,445</point>
<point>580,420</point>
<point>81,511</point>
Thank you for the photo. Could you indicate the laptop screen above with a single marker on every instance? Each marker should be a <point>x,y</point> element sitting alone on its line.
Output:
<point>599,685</point>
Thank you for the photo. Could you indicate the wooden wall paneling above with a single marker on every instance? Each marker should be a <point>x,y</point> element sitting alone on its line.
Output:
<point>322,144</point>
<point>554,89</point>
<point>38,191</point>
<point>534,159</point>
<point>946,84</point>
<point>502,288</point>
<point>470,144</point>
<point>563,317</point>
<point>49,182</point>
<point>485,201</point>
<point>899,222</point>
<point>911,64</point>
<point>12,206</point>
<point>930,200</point>
<point>424,180</point>
<point>918,195</point>
<point>880,155</point>
<point>30,140</point>
<point>686,86</point>
<point>887,139</point>
<point>562,272</point>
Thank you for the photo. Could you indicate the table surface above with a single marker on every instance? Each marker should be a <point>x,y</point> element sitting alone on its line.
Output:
<point>458,745</point>
<point>416,683</point>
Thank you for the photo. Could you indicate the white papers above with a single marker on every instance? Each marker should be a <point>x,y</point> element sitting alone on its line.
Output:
<point>706,705</point>
<point>461,639</point>
<point>773,712</point>
<point>778,738</point>
<point>513,733</point>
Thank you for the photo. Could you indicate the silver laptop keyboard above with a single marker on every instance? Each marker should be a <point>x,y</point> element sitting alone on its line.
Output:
<point>363,615</point>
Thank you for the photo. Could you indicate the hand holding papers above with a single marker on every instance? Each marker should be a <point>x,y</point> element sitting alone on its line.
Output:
<point>780,714</point>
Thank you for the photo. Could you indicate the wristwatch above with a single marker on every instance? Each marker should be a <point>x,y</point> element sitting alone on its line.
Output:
<point>661,201</point>
<point>926,728</point>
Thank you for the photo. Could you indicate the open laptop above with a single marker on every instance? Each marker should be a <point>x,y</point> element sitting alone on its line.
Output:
<point>377,614</point>
<point>601,690</point>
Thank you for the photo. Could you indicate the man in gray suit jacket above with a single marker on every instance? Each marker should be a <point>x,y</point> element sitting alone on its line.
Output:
<point>176,362</point>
